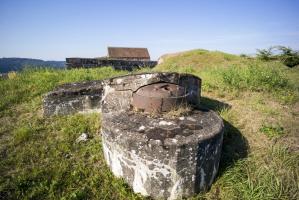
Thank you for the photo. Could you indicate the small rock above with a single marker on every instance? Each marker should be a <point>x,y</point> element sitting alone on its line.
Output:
<point>67,155</point>
<point>161,123</point>
<point>191,119</point>
<point>82,138</point>
<point>141,128</point>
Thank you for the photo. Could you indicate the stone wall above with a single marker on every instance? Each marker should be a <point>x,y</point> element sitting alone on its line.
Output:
<point>3,75</point>
<point>102,62</point>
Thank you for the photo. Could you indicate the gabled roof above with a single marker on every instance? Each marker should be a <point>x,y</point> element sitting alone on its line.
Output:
<point>125,52</point>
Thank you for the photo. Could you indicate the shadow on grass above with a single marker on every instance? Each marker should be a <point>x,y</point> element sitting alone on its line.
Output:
<point>235,145</point>
<point>214,104</point>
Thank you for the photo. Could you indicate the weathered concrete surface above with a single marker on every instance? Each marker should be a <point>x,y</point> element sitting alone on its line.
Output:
<point>164,157</point>
<point>168,158</point>
<point>74,97</point>
<point>119,64</point>
<point>113,94</point>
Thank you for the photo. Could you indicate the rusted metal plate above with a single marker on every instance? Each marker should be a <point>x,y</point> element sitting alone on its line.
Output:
<point>159,97</point>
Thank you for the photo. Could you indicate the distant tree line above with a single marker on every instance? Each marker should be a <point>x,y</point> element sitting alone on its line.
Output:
<point>286,55</point>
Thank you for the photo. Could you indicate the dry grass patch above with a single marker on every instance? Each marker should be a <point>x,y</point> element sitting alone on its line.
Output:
<point>181,110</point>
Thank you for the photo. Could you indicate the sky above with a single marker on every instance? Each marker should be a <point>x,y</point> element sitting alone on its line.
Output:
<point>56,29</point>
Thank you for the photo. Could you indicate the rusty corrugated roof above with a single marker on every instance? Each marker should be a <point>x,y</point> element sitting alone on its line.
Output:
<point>125,52</point>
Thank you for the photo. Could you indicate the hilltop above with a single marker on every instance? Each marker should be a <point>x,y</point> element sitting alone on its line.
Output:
<point>258,101</point>
<point>200,57</point>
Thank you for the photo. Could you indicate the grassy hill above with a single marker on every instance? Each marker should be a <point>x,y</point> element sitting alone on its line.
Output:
<point>258,101</point>
<point>17,64</point>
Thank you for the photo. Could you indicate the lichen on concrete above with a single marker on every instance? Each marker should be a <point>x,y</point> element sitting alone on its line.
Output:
<point>182,159</point>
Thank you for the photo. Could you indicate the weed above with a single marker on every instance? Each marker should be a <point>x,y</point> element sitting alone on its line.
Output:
<point>272,131</point>
<point>22,134</point>
<point>12,75</point>
<point>178,111</point>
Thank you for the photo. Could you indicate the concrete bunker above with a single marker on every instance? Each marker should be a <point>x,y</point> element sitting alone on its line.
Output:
<point>161,156</point>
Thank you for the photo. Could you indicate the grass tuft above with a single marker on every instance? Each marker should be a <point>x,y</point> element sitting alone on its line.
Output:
<point>272,131</point>
<point>22,134</point>
<point>181,110</point>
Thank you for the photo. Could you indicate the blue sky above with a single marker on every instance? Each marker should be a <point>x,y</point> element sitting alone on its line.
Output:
<point>55,29</point>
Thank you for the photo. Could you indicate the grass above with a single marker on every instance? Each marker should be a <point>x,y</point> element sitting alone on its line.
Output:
<point>258,101</point>
<point>267,177</point>
<point>272,131</point>
<point>39,156</point>
<point>177,111</point>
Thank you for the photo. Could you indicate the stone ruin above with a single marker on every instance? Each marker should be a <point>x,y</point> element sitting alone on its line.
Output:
<point>158,155</point>
<point>120,58</point>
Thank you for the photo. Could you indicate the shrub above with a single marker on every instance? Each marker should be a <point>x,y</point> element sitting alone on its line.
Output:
<point>264,54</point>
<point>288,56</point>
<point>243,55</point>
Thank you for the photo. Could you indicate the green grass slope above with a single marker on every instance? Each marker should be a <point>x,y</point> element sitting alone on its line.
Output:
<point>200,58</point>
<point>40,159</point>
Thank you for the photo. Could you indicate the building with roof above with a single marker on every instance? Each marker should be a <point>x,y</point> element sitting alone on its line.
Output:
<point>120,58</point>
<point>126,53</point>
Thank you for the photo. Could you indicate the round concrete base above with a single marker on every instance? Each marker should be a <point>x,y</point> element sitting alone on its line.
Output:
<point>164,157</point>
